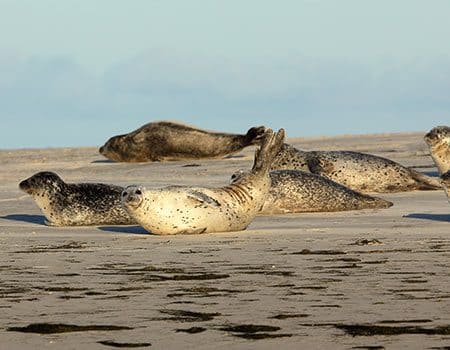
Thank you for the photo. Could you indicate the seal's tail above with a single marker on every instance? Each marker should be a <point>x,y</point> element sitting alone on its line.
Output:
<point>270,146</point>
<point>424,182</point>
<point>255,135</point>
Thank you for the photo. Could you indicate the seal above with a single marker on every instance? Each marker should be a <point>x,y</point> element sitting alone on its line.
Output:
<point>296,191</point>
<point>188,210</point>
<point>446,184</point>
<point>162,141</point>
<point>438,141</point>
<point>68,204</point>
<point>358,171</point>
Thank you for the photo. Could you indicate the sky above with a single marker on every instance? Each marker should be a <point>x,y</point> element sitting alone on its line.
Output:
<point>74,73</point>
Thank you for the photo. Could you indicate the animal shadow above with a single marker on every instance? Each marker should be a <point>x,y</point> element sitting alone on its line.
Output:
<point>137,230</point>
<point>34,219</point>
<point>434,217</point>
<point>102,161</point>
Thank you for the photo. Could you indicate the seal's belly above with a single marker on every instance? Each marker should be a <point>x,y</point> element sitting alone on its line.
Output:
<point>181,212</point>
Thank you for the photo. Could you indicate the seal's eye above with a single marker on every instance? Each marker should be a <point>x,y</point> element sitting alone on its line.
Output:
<point>124,194</point>
<point>138,192</point>
<point>233,177</point>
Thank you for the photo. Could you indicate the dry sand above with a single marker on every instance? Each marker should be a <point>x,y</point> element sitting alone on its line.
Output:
<point>362,279</point>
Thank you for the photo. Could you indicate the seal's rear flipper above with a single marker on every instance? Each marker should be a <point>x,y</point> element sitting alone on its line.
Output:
<point>270,146</point>
<point>426,183</point>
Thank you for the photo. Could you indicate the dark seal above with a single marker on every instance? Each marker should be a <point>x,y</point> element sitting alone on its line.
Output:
<point>160,141</point>
<point>70,204</point>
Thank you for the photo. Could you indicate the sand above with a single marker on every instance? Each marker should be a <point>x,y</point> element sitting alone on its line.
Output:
<point>361,279</point>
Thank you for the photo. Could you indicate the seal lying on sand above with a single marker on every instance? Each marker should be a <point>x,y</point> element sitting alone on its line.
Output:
<point>160,141</point>
<point>178,210</point>
<point>358,171</point>
<point>66,204</point>
<point>295,191</point>
<point>438,140</point>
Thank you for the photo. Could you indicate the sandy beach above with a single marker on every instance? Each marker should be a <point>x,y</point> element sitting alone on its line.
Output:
<point>370,279</point>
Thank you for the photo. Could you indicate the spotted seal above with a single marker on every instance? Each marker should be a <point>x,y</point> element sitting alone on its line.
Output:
<point>438,141</point>
<point>161,141</point>
<point>446,184</point>
<point>70,204</point>
<point>359,171</point>
<point>185,210</point>
<point>296,191</point>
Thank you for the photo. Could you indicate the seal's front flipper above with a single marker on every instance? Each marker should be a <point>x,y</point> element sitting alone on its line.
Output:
<point>202,198</point>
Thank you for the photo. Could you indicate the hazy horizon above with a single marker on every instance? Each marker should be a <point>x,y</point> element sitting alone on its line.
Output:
<point>75,73</point>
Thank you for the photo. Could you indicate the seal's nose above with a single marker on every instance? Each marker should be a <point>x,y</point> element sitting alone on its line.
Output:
<point>25,186</point>
<point>101,149</point>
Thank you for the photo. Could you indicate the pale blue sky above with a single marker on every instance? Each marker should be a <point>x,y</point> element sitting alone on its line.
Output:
<point>77,72</point>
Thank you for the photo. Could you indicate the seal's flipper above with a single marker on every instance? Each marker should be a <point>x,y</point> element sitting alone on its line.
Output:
<point>265,155</point>
<point>202,198</point>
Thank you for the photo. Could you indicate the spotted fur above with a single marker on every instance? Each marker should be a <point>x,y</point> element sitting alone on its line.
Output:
<point>69,204</point>
<point>296,191</point>
<point>358,171</point>
<point>446,184</point>
<point>438,141</point>
<point>187,210</point>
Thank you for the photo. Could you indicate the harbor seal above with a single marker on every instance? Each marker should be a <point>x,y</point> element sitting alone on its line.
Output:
<point>438,141</point>
<point>446,184</point>
<point>296,191</point>
<point>187,210</point>
<point>68,204</point>
<point>161,141</point>
<point>358,171</point>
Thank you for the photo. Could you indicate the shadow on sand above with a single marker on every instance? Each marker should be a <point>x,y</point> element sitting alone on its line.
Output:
<point>137,230</point>
<point>431,173</point>
<point>434,217</point>
<point>34,219</point>
<point>103,161</point>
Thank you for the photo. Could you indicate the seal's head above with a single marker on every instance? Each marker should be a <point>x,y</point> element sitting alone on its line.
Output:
<point>438,135</point>
<point>44,181</point>
<point>114,148</point>
<point>255,135</point>
<point>133,196</point>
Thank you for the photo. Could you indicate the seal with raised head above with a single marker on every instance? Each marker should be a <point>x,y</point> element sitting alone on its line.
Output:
<point>73,204</point>
<point>296,191</point>
<point>438,141</point>
<point>161,141</point>
<point>358,171</point>
<point>178,209</point>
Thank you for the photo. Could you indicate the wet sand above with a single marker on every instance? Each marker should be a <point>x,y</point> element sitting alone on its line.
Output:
<point>369,279</point>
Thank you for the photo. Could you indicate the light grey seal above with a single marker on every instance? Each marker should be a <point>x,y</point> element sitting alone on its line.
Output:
<point>438,141</point>
<point>296,191</point>
<point>161,141</point>
<point>185,210</point>
<point>69,204</point>
<point>358,171</point>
